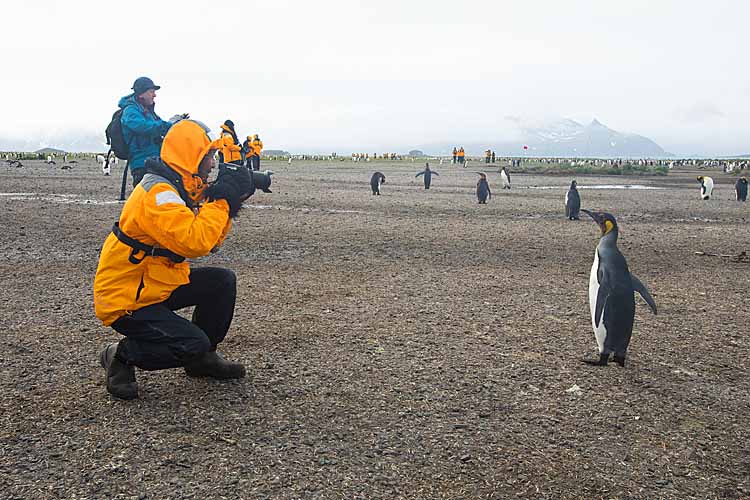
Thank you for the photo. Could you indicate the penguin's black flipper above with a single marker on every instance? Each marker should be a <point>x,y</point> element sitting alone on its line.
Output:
<point>601,300</point>
<point>602,294</point>
<point>641,288</point>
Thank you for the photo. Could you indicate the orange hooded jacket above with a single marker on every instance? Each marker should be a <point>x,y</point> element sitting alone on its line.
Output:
<point>230,150</point>
<point>156,215</point>
<point>257,145</point>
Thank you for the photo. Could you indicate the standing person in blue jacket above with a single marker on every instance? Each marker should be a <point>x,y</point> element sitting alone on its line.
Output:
<point>142,128</point>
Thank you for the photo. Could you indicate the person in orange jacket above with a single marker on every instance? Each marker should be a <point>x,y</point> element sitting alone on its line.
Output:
<point>230,152</point>
<point>173,214</point>
<point>461,155</point>
<point>257,146</point>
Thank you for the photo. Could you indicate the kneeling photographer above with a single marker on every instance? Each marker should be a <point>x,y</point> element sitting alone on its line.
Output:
<point>172,215</point>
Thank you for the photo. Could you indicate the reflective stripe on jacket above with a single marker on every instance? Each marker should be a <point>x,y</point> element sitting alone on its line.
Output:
<point>156,215</point>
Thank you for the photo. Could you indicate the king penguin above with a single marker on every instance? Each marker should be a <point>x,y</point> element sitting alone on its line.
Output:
<point>611,294</point>
<point>505,177</point>
<point>483,189</point>
<point>427,175</point>
<point>572,202</point>
<point>707,186</point>
<point>740,189</point>
<point>375,181</point>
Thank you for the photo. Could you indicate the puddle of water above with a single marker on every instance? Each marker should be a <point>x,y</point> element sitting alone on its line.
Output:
<point>600,186</point>
<point>57,198</point>
<point>305,209</point>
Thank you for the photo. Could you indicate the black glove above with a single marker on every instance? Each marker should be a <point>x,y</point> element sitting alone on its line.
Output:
<point>239,177</point>
<point>225,191</point>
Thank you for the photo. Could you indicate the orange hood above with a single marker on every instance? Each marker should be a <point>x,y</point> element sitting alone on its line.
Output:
<point>184,146</point>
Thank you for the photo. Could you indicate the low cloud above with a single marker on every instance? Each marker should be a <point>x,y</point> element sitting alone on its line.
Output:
<point>699,112</point>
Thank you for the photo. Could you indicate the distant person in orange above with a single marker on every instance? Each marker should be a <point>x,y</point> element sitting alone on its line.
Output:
<point>230,151</point>
<point>461,155</point>
<point>257,145</point>
<point>455,154</point>
<point>487,155</point>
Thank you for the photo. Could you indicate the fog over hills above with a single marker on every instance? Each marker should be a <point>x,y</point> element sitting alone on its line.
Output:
<point>70,141</point>
<point>560,138</point>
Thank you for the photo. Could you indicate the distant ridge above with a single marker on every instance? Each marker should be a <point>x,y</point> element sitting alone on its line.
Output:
<point>565,138</point>
<point>48,151</point>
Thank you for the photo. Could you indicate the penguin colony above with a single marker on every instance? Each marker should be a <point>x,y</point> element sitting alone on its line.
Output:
<point>612,287</point>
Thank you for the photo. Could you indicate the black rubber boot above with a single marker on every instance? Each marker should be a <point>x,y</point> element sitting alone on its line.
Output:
<point>212,364</point>
<point>120,376</point>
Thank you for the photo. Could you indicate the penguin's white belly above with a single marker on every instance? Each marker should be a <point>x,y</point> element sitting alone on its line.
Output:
<point>505,180</point>
<point>708,184</point>
<point>600,332</point>
<point>567,195</point>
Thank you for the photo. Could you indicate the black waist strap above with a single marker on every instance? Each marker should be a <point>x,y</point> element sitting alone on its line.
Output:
<point>147,250</point>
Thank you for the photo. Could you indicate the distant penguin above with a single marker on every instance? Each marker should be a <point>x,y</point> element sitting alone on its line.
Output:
<point>483,189</point>
<point>505,177</point>
<point>106,168</point>
<point>262,180</point>
<point>611,294</point>
<point>707,186</point>
<point>427,173</point>
<point>740,189</point>
<point>572,202</point>
<point>375,181</point>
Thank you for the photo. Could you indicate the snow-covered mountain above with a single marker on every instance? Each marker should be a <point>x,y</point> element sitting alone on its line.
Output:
<point>564,138</point>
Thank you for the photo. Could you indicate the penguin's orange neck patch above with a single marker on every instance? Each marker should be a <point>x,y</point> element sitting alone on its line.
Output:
<point>608,226</point>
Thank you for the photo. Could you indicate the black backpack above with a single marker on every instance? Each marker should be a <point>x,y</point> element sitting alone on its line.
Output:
<point>115,137</point>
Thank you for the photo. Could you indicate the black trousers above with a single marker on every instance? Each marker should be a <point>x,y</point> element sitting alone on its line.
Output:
<point>156,338</point>
<point>255,162</point>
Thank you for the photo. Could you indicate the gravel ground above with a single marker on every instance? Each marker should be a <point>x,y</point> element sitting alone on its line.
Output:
<point>411,345</point>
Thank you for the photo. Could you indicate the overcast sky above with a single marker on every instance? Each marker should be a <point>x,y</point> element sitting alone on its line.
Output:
<point>379,75</point>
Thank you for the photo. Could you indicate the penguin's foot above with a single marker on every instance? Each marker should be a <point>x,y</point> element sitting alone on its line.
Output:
<point>620,360</point>
<point>602,361</point>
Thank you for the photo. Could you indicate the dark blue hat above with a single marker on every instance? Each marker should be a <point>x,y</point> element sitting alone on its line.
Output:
<point>143,84</point>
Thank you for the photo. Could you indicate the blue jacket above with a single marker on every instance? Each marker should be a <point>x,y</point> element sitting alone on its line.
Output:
<point>142,129</point>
